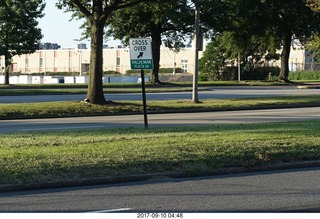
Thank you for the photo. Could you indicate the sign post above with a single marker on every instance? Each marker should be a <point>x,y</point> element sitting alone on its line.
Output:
<point>141,58</point>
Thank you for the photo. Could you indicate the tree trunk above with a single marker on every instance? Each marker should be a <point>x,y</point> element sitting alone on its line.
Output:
<point>7,58</point>
<point>284,72</point>
<point>95,92</point>
<point>156,45</point>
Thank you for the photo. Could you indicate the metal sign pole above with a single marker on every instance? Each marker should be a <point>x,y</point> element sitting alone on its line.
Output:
<point>144,99</point>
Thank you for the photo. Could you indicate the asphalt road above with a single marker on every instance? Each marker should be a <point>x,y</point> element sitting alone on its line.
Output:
<point>295,190</point>
<point>211,93</point>
<point>157,120</point>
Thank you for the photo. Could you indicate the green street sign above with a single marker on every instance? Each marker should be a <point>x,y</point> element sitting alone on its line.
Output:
<point>141,64</point>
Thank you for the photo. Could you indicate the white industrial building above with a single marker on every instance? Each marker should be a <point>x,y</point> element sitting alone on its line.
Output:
<point>114,59</point>
<point>78,60</point>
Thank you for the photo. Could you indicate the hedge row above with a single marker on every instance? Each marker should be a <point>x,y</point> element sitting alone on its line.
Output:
<point>304,75</point>
<point>261,73</point>
<point>231,73</point>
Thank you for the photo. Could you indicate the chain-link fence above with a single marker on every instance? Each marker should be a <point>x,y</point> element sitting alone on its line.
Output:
<point>312,66</point>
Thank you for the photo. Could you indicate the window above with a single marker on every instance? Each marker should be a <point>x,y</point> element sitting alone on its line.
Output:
<point>184,65</point>
<point>27,62</point>
<point>41,62</point>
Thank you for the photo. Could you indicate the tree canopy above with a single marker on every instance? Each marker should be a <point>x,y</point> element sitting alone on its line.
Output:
<point>19,33</point>
<point>165,22</point>
<point>268,25</point>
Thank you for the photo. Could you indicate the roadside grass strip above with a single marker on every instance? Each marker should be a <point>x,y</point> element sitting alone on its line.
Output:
<point>72,155</point>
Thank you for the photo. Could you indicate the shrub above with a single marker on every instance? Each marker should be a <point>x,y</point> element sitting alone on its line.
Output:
<point>261,73</point>
<point>111,72</point>
<point>136,71</point>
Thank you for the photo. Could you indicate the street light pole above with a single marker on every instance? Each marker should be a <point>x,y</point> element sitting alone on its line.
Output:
<point>174,62</point>
<point>195,97</point>
<point>79,51</point>
<point>239,67</point>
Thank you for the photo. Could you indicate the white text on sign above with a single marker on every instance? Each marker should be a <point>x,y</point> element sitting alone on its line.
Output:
<point>141,64</point>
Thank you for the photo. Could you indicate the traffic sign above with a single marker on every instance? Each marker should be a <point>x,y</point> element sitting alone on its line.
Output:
<point>140,53</point>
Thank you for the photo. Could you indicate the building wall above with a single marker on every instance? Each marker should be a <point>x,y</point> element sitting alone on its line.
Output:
<point>297,59</point>
<point>118,59</point>
<point>183,59</point>
<point>75,60</point>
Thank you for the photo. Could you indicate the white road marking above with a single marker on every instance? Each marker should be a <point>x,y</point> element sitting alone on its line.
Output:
<point>111,210</point>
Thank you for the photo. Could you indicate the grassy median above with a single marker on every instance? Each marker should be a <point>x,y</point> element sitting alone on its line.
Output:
<point>78,108</point>
<point>54,156</point>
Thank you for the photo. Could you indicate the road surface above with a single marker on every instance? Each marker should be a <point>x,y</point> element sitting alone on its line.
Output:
<point>212,93</point>
<point>274,191</point>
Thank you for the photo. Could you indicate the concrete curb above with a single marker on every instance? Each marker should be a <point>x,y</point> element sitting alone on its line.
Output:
<point>143,177</point>
<point>73,183</point>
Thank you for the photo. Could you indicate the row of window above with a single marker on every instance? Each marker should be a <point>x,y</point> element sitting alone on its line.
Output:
<point>184,63</point>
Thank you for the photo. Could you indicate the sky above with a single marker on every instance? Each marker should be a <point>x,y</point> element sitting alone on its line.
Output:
<point>57,27</point>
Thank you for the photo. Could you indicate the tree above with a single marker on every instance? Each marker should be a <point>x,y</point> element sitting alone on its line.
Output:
<point>291,20</point>
<point>287,21</point>
<point>236,28</point>
<point>313,43</point>
<point>164,21</point>
<point>217,55</point>
<point>275,23</point>
<point>222,54</point>
<point>96,13</point>
<point>216,15</point>
<point>18,29</point>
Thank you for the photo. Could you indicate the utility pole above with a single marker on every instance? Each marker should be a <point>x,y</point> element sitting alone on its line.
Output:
<point>239,67</point>
<point>195,97</point>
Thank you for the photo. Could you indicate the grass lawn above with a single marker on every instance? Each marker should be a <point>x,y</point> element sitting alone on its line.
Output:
<point>53,156</point>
